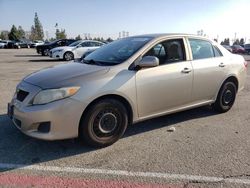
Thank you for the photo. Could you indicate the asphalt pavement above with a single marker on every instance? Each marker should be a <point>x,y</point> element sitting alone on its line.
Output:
<point>205,150</point>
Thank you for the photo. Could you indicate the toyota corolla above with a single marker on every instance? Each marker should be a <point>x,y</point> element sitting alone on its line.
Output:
<point>126,81</point>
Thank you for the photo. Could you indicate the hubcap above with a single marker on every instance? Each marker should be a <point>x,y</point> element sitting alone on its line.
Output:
<point>107,123</point>
<point>46,52</point>
<point>228,96</point>
<point>68,56</point>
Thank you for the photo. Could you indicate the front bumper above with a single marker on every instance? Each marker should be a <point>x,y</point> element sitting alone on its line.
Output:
<point>56,55</point>
<point>61,118</point>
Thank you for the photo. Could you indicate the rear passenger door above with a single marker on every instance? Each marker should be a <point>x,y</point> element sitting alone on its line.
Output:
<point>209,69</point>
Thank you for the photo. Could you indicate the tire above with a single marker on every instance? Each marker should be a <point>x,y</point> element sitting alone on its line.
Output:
<point>226,97</point>
<point>104,123</point>
<point>45,52</point>
<point>68,56</point>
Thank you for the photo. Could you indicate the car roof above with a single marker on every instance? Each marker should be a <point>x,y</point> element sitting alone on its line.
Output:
<point>160,35</point>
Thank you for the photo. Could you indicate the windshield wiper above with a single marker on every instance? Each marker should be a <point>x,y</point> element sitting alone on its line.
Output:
<point>91,62</point>
<point>101,63</point>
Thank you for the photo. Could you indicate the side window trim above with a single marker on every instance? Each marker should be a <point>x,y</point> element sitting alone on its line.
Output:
<point>218,50</point>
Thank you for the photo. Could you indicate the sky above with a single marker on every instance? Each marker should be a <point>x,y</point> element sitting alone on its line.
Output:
<point>217,18</point>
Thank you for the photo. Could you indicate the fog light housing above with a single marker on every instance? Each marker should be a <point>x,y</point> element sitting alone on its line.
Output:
<point>44,127</point>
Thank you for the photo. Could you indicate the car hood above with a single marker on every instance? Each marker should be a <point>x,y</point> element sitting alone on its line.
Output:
<point>64,75</point>
<point>65,48</point>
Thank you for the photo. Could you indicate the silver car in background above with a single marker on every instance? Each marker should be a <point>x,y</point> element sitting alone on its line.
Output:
<point>75,50</point>
<point>126,81</point>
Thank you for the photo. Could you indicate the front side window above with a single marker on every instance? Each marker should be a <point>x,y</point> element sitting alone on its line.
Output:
<point>168,51</point>
<point>75,43</point>
<point>85,44</point>
<point>95,44</point>
<point>201,49</point>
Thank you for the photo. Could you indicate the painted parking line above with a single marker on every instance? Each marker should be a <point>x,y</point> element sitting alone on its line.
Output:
<point>166,176</point>
<point>12,179</point>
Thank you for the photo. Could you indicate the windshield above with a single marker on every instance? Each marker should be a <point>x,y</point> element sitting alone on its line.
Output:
<point>53,42</point>
<point>118,51</point>
<point>75,43</point>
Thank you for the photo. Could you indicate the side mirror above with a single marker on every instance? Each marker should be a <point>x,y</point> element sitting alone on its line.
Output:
<point>148,61</point>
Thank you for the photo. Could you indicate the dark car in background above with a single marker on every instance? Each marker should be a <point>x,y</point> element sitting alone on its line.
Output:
<point>237,49</point>
<point>247,48</point>
<point>228,48</point>
<point>45,48</point>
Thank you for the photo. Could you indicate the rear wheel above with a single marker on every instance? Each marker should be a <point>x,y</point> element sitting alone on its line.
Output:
<point>68,56</point>
<point>104,123</point>
<point>225,98</point>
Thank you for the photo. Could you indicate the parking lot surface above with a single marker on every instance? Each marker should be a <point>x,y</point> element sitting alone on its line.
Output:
<point>206,149</point>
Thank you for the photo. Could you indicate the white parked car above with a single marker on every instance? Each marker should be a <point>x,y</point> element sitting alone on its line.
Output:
<point>3,44</point>
<point>74,50</point>
<point>36,43</point>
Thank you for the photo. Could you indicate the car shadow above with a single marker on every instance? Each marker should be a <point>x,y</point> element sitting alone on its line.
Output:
<point>17,148</point>
<point>28,55</point>
<point>169,120</point>
<point>44,60</point>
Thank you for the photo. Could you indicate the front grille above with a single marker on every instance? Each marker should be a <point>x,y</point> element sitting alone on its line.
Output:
<point>21,95</point>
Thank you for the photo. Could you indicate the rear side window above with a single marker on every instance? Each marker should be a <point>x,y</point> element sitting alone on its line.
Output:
<point>201,49</point>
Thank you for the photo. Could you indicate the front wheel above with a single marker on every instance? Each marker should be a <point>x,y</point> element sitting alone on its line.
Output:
<point>45,52</point>
<point>225,98</point>
<point>68,56</point>
<point>104,123</point>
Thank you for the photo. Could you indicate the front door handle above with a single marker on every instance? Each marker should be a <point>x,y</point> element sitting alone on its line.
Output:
<point>186,70</point>
<point>222,65</point>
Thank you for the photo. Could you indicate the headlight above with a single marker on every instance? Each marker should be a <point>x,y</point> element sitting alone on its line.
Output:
<point>50,95</point>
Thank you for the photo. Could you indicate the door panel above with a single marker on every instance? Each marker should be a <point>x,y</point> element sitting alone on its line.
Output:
<point>209,69</point>
<point>208,76</point>
<point>162,88</point>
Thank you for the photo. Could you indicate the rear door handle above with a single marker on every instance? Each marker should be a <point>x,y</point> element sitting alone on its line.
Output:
<point>186,70</point>
<point>222,65</point>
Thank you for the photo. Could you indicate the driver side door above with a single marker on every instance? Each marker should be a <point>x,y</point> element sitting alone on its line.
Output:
<point>168,86</point>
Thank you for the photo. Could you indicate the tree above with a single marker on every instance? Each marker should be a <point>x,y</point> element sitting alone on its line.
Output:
<point>36,29</point>
<point>78,37</point>
<point>225,42</point>
<point>4,35</point>
<point>61,34</point>
<point>236,42</point>
<point>13,34</point>
<point>242,41</point>
<point>109,40</point>
<point>21,32</point>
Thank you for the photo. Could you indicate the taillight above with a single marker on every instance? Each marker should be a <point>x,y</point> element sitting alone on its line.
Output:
<point>245,64</point>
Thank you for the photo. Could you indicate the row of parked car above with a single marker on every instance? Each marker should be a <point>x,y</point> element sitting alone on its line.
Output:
<point>68,49</point>
<point>20,43</point>
<point>238,49</point>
